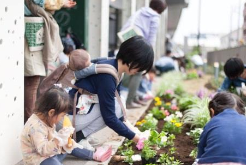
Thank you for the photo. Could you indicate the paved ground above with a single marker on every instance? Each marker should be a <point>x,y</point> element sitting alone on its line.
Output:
<point>193,85</point>
<point>109,137</point>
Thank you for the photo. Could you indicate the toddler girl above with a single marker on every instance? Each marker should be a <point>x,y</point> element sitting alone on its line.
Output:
<point>41,144</point>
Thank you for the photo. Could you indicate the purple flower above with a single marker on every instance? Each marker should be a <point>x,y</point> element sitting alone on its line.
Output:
<point>211,96</point>
<point>201,93</point>
<point>200,73</point>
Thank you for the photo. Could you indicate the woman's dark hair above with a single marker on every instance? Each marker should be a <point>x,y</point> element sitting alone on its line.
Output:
<point>137,53</point>
<point>158,5</point>
<point>67,48</point>
<point>225,100</point>
<point>55,98</point>
<point>233,67</point>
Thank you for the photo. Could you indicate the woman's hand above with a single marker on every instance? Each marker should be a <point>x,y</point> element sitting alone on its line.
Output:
<point>69,4</point>
<point>136,138</point>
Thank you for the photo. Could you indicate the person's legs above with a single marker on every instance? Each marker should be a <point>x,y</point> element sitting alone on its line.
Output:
<point>165,68</point>
<point>133,87</point>
<point>30,94</point>
<point>55,160</point>
<point>91,122</point>
<point>82,153</point>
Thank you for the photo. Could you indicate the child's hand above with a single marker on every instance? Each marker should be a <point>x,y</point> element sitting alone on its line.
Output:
<point>69,4</point>
<point>69,148</point>
<point>63,134</point>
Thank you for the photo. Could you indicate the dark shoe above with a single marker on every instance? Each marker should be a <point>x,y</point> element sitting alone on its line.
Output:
<point>79,136</point>
<point>140,102</point>
<point>133,105</point>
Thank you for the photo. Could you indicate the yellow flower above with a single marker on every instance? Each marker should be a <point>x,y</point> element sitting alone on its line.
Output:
<point>168,103</point>
<point>158,103</point>
<point>178,124</point>
<point>139,123</point>
<point>143,121</point>
<point>157,99</point>
<point>173,121</point>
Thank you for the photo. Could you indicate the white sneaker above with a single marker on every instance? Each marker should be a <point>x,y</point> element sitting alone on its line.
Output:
<point>93,141</point>
<point>86,144</point>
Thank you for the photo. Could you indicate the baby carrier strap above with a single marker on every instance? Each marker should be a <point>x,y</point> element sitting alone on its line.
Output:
<point>109,69</point>
<point>101,68</point>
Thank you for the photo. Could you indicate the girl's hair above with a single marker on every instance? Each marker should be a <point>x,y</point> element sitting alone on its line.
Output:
<point>225,100</point>
<point>55,98</point>
<point>137,53</point>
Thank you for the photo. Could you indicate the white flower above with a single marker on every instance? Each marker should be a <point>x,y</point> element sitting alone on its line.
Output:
<point>200,130</point>
<point>169,118</point>
<point>163,139</point>
<point>179,114</point>
<point>150,115</point>
<point>136,157</point>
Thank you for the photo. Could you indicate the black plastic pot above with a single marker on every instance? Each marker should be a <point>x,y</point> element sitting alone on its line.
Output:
<point>151,160</point>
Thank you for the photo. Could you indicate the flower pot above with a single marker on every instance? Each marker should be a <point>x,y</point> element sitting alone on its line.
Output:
<point>150,160</point>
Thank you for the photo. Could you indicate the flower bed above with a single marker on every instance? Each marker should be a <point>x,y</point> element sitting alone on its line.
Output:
<point>174,120</point>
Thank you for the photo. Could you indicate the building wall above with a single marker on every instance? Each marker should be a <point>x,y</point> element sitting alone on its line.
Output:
<point>161,36</point>
<point>244,23</point>
<point>231,39</point>
<point>12,80</point>
<point>224,55</point>
<point>98,27</point>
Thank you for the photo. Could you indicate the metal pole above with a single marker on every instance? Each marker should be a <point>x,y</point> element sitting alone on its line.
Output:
<point>239,16</point>
<point>198,28</point>
<point>230,35</point>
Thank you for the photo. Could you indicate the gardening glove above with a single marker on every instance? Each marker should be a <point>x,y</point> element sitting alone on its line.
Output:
<point>144,135</point>
<point>131,127</point>
<point>69,149</point>
<point>63,134</point>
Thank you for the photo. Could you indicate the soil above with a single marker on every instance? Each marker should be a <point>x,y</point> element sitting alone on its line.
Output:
<point>183,143</point>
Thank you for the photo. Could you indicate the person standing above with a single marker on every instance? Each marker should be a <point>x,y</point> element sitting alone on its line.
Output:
<point>146,20</point>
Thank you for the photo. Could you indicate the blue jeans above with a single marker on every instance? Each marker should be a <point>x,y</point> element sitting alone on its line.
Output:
<point>166,68</point>
<point>77,152</point>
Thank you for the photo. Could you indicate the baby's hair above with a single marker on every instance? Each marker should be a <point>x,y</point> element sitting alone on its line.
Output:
<point>225,100</point>
<point>55,98</point>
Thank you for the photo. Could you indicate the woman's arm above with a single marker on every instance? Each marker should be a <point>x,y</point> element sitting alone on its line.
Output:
<point>106,95</point>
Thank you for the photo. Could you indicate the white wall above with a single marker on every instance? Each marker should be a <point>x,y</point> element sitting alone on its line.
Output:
<point>12,80</point>
<point>98,28</point>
